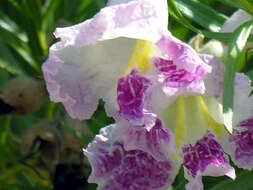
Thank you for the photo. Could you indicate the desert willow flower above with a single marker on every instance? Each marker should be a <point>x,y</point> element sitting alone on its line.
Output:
<point>166,98</point>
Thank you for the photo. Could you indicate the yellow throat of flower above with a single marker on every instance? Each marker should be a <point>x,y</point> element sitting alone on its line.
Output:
<point>140,57</point>
<point>189,117</point>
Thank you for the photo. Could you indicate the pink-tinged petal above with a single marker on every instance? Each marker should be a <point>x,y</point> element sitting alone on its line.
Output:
<point>214,80</point>
<point>195,184</point>
<point>205,158</point>
<point>139,19</point>
<point>136,16</point>
<point>156,139</point>
<point>133,92</point>
<point>180,70</point>
<point>243,102</point>
<point>182,55</point>
<point>241,145</point>
<point>114,167</point>
<point>78,77</point>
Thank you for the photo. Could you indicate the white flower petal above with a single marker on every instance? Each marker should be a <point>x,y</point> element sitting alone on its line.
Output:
<point>238,18</point>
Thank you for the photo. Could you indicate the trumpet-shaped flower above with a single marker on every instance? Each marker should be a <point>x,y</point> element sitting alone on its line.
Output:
<point>166,99</point>
<point>101,50</point>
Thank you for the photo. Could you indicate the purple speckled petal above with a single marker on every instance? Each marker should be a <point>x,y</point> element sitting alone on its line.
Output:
<point>176,81</point>
<point>133,91</point>
<point>248,123</point>
<point>181,70</point>
<point>182,55</point>
<point>114,167</point>
<point>90,57</point>
<point>205,158</point>
<point>155,139</point>
<point>241,145</point>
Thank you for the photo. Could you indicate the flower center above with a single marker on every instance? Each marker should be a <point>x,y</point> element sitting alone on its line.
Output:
<point>190,116</point>
<point>141,56</point>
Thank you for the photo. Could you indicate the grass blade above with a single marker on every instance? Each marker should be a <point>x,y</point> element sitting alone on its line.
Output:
<point>202,14</point>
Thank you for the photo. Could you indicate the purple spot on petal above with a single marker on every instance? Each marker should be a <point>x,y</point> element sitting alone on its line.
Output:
<point>173,77</point>
<point>247,123</point>
<point>244,143</point>
<point>140,171</point>
<point>132,92</point>
<point>155,141</point>
<point>129,170</point>
<point>206,151</point>
<point>106,161</point>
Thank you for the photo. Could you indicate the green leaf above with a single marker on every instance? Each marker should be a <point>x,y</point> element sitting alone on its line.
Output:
<point>48,11</point>
<point>237,45</point>
<point>248,6</point>
<point>86,10</point>
<point>180,181</point>
<point>175,12</point>
<point>12,39</point>
<point>32,18</point>
<point>5,124</point>
<point>243,182</point>
<point>202,14</point>
<point>100,3</point>
<point>8,62</point>
<point>91,186</point>
<point>232,3</point>
<point>99,119</point>
<point>12,27</point>
<point>32,9</point>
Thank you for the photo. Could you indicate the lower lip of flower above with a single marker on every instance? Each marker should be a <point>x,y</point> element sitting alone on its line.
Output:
<point>190,117</point>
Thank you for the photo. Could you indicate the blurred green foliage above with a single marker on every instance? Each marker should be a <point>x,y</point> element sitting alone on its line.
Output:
<point>26,33</point>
